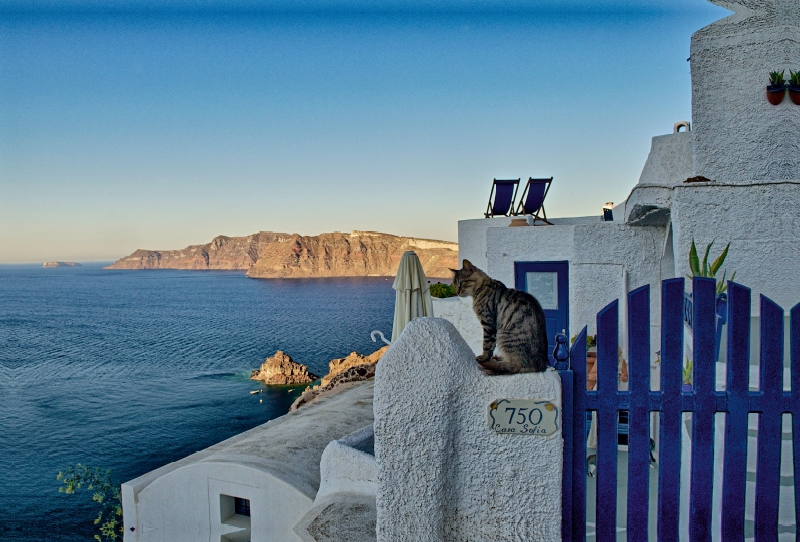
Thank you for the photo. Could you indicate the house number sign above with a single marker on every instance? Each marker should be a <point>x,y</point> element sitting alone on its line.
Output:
<point>524,417</point>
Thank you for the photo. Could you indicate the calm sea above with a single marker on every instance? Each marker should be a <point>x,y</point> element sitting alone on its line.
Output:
<point>130,370</point>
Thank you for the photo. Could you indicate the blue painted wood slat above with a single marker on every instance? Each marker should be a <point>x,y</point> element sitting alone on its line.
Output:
<point>638,414</point>
<point>735,469</point>
<point>794,344</point>
<point>703,401</point>
<point>768,474</point>
<point>704,369</point>
<point>607,397</point>
<point>669,449</point>
<point>578,493</point>
<point>567,392</point>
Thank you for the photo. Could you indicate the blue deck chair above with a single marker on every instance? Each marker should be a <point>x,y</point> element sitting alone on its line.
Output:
<point>532,199</point>
<point>504,193</point>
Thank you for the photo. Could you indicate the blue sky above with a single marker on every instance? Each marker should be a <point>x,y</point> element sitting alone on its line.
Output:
<point>146,124</point>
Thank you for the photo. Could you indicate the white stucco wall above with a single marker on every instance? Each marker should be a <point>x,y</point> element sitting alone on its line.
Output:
<point>186,504</point>
<point>669,161</point>
<point>276,466</point>
<point>738,135</point>
<point>762,224</point>
<point>597,255</point>
<point>472,238</point>
<point>458,311</point>
<point>443,474</point>
<point>344,468</point>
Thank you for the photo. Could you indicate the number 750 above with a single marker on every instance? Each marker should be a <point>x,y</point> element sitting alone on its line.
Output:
<point>520,414</point>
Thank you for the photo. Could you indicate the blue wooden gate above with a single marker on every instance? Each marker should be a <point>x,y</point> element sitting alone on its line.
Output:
<point>771,401</point>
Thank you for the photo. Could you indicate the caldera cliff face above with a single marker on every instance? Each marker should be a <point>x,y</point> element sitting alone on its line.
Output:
<point>281,255</point>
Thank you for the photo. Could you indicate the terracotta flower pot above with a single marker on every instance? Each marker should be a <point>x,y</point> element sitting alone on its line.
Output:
<point>794,94</point>
<point>775,95</point>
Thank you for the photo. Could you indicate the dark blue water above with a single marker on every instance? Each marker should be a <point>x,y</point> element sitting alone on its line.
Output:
<point>130,370</point>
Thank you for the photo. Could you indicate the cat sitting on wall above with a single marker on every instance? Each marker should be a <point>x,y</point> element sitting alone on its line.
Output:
<point>512,320</point>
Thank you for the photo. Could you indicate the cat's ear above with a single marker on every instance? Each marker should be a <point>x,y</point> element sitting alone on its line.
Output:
<point>455,271</point>
<point>466,264</point>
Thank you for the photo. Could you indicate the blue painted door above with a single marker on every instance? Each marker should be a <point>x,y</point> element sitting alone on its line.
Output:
<point>548,283</point>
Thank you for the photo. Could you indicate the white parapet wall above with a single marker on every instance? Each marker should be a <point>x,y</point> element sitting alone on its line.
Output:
<point>458,311</point>
<point>443,473</point>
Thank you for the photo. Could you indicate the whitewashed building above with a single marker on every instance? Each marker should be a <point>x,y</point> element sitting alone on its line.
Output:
<point>436,471</point>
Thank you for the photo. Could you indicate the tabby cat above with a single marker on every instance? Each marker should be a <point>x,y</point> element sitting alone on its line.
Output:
<point>511,319</point>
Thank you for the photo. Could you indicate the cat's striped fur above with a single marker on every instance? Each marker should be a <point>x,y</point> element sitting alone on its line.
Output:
<point>512,320</point>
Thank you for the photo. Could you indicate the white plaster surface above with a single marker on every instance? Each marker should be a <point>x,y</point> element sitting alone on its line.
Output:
<point>597,255</point>
<point>275,465</point>
<point>762,224</point>
<point>344,508</point>
<point>340,517</point>
<point>738,135</point>
<point>472,238</point>
<point>443,474</point>
<point>458,311</point>
<point>645,198</point>
<point>344,468</point>
<point>670,160</point>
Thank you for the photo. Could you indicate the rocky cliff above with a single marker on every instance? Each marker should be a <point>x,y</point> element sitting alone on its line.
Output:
<point>221,253</point>
<point>353,368</point>
<point>282,369</point>
<point>281,255</point>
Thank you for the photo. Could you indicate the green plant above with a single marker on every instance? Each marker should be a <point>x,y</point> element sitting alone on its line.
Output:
<point>591,341</point>
<point>687,372</point>
<point>442,290</point>
<point>106,494</point>
<point>776,79</point>
<point>706,270</point>
<point>794,78</point>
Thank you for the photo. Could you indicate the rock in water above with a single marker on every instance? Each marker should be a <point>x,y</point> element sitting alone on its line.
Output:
<point>61,264</point>
<point>281,369</point>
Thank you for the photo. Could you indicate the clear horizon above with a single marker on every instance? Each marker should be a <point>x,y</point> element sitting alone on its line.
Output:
<point>147,127</point>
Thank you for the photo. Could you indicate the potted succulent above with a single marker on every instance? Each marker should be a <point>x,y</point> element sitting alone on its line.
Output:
<point>777,87</point>
<point>794,86</point>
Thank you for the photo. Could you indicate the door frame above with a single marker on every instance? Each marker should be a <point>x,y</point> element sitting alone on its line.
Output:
<point>559,266</point>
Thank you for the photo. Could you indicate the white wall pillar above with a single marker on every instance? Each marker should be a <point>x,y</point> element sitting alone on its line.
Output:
<point>443,473</point>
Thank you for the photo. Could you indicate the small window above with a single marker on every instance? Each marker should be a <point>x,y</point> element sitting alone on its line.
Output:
<point>544,287</point>
<point>242,506</point>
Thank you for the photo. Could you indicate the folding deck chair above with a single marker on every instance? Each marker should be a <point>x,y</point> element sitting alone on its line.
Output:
<point>504,192</point>
<point>532,199</point>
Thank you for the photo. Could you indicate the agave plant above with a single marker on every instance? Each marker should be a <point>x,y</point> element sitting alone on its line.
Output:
<point>686,374</point>
<point>794,79</point>
<point>776,79</point>
<point>706,270</point>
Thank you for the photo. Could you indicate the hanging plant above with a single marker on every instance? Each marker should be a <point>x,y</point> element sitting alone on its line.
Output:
<point>777,87</point>
<point>794,86</point>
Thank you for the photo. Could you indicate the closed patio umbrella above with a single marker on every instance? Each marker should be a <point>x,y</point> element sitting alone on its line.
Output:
<point>413,297</point>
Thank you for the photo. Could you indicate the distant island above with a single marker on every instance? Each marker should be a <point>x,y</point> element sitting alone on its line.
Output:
<point>283,255</point>
<point>61,264</point>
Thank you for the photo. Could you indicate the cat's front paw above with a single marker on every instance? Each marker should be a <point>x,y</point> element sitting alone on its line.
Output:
<point>483,358</point>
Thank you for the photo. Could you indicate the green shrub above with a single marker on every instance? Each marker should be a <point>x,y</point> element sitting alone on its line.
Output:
<point>104,492</point>
<point>442,290</point>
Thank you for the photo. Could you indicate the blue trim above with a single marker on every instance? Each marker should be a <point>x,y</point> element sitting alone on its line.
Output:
<point>670,402</point>
<point>562,313</point>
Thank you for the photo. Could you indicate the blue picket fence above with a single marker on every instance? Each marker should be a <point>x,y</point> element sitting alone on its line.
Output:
<point>771,401</point>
